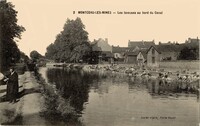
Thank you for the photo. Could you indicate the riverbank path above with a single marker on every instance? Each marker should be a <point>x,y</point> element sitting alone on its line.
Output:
<point>30,102</point>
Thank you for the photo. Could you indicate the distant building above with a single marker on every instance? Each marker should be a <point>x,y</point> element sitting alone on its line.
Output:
<point>136,51</point>
<point>119,52</point>
<point>171,51</point>
<point>104,51</point>
<point>192,42</point>
<point>95,56</point>
<point>149,57</point>
<point>131,57</point>
<point>107,56</point>
<point>137,57</point>
<point>153,57</point>
<point>141,44</point>
<point>103,44</point>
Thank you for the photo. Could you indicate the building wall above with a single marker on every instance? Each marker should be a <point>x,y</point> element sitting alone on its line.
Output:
<point>149,58</point>
<point>140,59</point>
<point>104,45</point>
<point>118,55</point>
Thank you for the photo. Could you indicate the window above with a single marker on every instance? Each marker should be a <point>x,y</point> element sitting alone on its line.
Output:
<point>153,59</point>
<point>153,51</point>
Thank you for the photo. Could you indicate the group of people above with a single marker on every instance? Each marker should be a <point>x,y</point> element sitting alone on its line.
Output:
<point>12,85</point>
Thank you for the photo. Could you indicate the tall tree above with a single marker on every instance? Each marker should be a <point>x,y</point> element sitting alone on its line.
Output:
<point>35,55</point>
<point>71,44</point>
<point>10,31</point>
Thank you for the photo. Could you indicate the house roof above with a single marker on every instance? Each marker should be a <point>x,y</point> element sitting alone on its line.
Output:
<point>154,48</point>
<point>144,52</point>
<point>169,48</point>
<point>103,44</point>
<point>95,47</point>
<point>135,53</point>
<point>117,49</point>
<point>141,44</point>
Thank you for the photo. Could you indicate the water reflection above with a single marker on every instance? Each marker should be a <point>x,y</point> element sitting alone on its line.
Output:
<point>74,85</point>
<point>105,97</point>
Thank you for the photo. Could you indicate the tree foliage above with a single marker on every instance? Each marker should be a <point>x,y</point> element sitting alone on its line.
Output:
<point>35,55</point>
<point>24,57</point>
<point>10,31</point>
<point>189,53</point>
<point>71,43</point>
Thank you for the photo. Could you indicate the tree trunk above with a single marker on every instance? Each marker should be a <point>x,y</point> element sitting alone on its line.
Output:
<point>1,40</point>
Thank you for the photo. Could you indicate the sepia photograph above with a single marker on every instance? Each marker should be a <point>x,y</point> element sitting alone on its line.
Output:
<point>100,63</point>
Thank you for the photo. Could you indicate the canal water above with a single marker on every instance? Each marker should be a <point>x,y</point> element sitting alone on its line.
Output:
<point>111,99</point>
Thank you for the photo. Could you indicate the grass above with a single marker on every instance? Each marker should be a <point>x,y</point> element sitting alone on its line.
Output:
<point>181,65</point>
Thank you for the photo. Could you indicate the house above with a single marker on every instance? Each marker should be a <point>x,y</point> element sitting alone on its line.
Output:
<point>107,56</point>
<point>102,51</point>
<point>106,50</point>
<point>119,52</point>
<point>193,40</point>
<point>149,57</point>
<point>95,56</point>
<point>153,57</point>
<point>137,57</point>
<point>171,51</point>
<point>142,57</point>
<point>103,44</point>
<point>131,57</point>
<point>141,44</point>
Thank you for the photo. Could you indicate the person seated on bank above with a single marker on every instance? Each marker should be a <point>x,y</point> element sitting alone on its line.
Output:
<point>12,85</point>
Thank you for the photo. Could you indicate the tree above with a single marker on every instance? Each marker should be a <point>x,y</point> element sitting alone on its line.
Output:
<point>71,44</point>
<point>189,53</point>
<point>35,55</point>
<point>24,58</point>
<point>9,31</point>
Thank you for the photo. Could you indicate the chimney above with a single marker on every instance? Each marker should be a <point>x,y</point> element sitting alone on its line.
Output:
<point>106,40</point>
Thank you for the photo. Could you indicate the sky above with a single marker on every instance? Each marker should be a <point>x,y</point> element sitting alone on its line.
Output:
<point>44,19</point>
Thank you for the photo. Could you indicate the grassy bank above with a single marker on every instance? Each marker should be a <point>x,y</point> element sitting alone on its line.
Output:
<point>181,65</point>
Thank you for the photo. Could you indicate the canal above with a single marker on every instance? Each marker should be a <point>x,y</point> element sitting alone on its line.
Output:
<point>106,99</point>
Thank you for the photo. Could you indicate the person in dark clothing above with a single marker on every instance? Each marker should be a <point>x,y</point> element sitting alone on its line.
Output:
<point>12,85</point>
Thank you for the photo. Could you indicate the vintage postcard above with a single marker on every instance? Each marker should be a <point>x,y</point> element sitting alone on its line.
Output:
<point>99,63</point>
